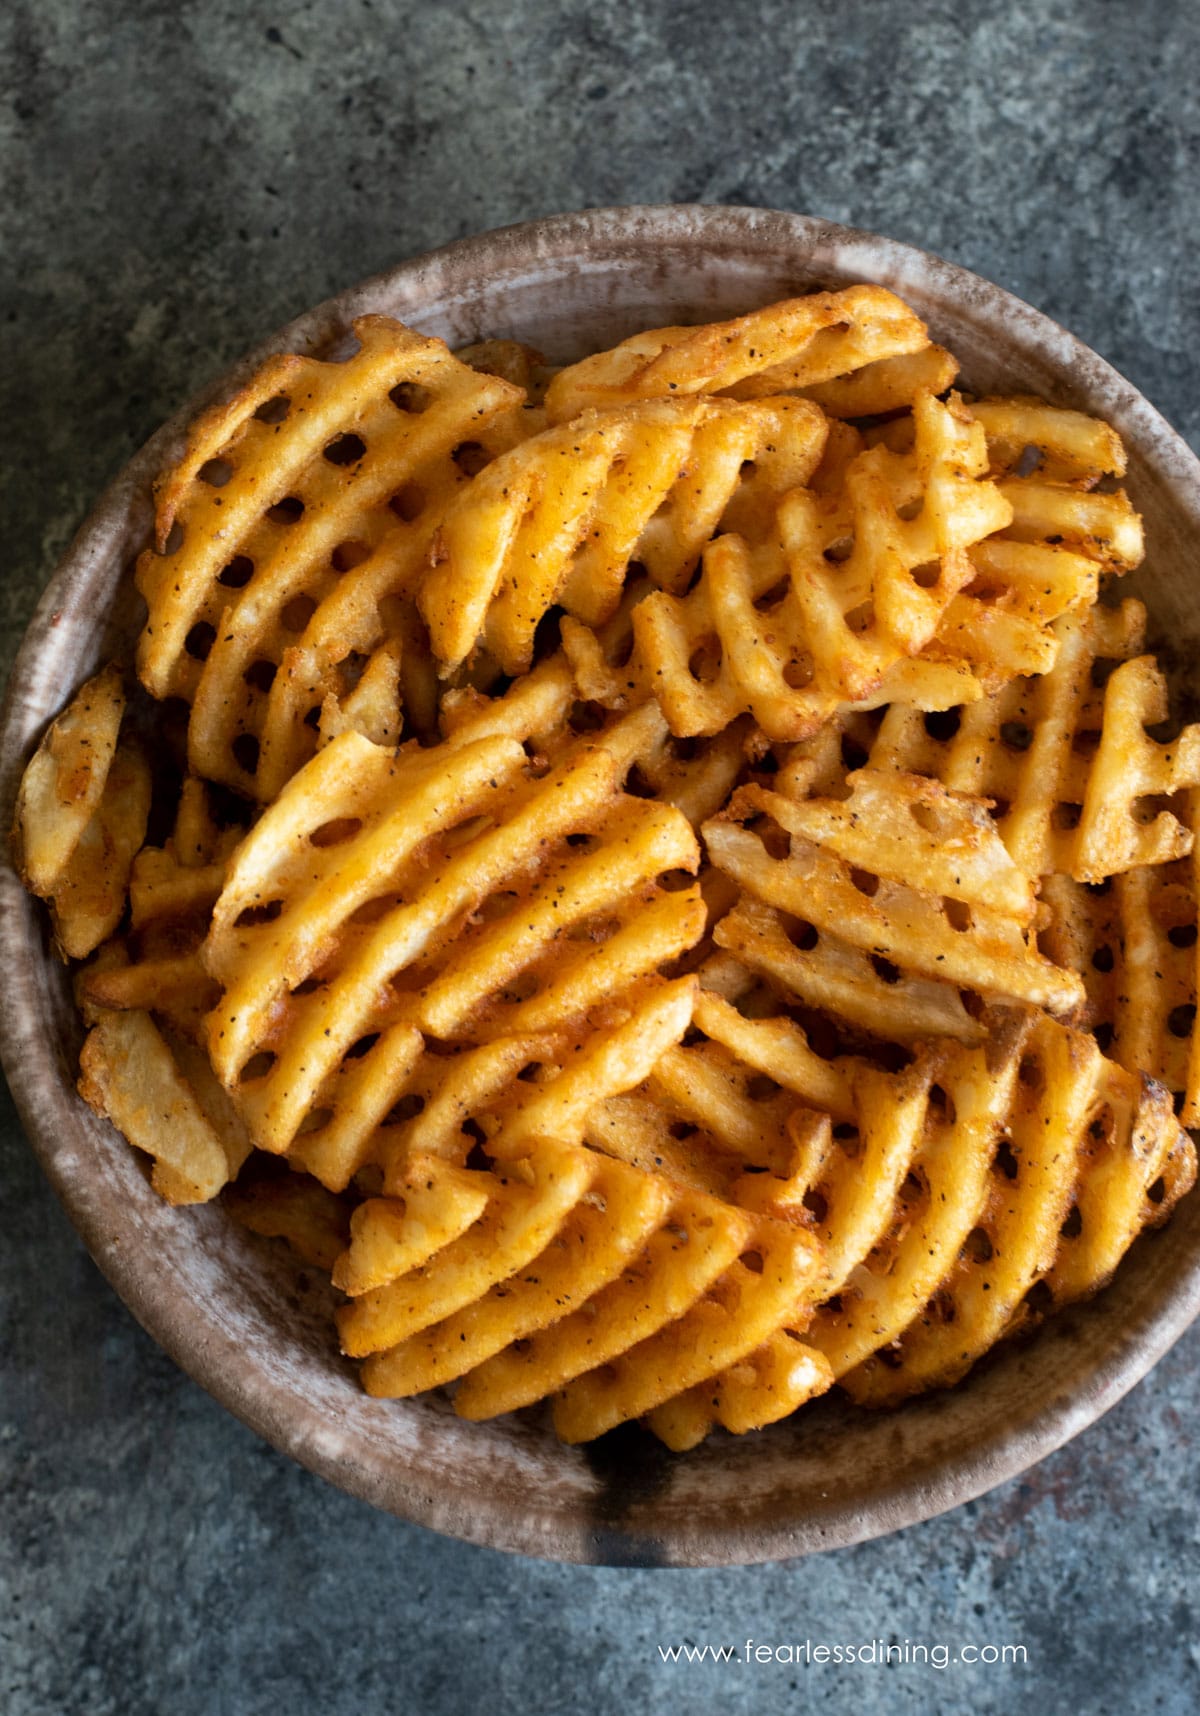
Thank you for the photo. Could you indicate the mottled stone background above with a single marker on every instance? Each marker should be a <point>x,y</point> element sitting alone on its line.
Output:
<point>179,177</point>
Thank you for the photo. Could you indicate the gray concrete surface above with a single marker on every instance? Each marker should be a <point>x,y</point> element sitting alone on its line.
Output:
<point>179,177</point>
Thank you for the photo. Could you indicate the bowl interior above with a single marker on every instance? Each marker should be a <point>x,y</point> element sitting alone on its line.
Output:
<point>252,1326</point>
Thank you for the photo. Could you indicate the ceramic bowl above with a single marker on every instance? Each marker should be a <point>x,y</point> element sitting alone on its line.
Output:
<point>251,1326</point>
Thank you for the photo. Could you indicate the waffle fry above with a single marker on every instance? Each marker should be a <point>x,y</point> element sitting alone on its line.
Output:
<point>81,815</point>
<point>744,1308</point>
<point>768,1384</point>
<point>1047,561</point>
<point>574,1263</point>
<point>561,517</point>
<point>1091,1157</point>
<point>1077,783</point>
<point>863,584</point>
<point>716,1112</point>
<point>283,528</point>
<point>888,384</point>
<point>436,889</point>
<point>801,342</point>
<point>1058,499</point>
<point>1133,942</point>
<point>606,1229</point>
<point>879,921</point>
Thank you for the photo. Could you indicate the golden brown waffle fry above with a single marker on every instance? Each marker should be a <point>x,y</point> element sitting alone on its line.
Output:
<point>606,1229</point>
<point>561,517</point>
<point>436,1203</point>
<point>939,1199</point>
<point>851,585</point>
<point>509,1088</point>
<point>542,712</point>
<point>888,384</point>
<point>1062,535</point>
<point>1057,498</point>
<point>1133,941</point>
<point>726,1104</point>
<point>1089,1156</point>
<point>768,1384</point>
<point>445,888</point>
<point>1078,785</point>
<point>297,509</point>
<point>156,964</point>
<point>64,780</point>
<point>576,1262</point>
<point>442,1268</point>
<point>798,343</point>
<point>899,1195</point>
<point>81,815</point>
<point>1046,562</point>
<point>162,1095</point>
<point>744,1308</point>
<point>1137,1162</point>
<point>898,898</point>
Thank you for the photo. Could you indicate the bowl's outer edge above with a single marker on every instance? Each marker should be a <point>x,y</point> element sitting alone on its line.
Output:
<point>540,1499</point>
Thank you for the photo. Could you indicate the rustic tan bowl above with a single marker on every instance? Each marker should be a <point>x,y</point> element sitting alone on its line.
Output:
<point>240,1316</point>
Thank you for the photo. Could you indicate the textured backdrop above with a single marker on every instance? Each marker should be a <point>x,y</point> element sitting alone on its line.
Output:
<point>179,178</point>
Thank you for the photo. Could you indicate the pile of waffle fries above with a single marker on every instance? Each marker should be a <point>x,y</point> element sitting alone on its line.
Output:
<point>671,878</point>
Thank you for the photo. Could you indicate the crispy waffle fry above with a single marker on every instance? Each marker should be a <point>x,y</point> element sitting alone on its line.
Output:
<point>864,580</point>
<point>577,1262</point>
<point>81,815</point>
<point>1090,1156</point>
<point>888,384</point>
<point>1078,785</point>
<point>298,508</point>
<point>156,964</point>
<point>731,1103</point>
<point>561,517</point>
<point>64,780</point>
<point>508,1089</point>
<point>940,1199</point>
<point>1133,942</point>
<point>446,888</point>
<point>606,1229</point>
<point>742,1310</point>
<point>768,1384</point>
<point>881,890</point>
<point>799,343</point>
<point>1058,498</point>
<point>1046,562</point>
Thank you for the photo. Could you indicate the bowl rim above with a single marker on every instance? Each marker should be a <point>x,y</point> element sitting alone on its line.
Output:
<point>29,1061</point>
